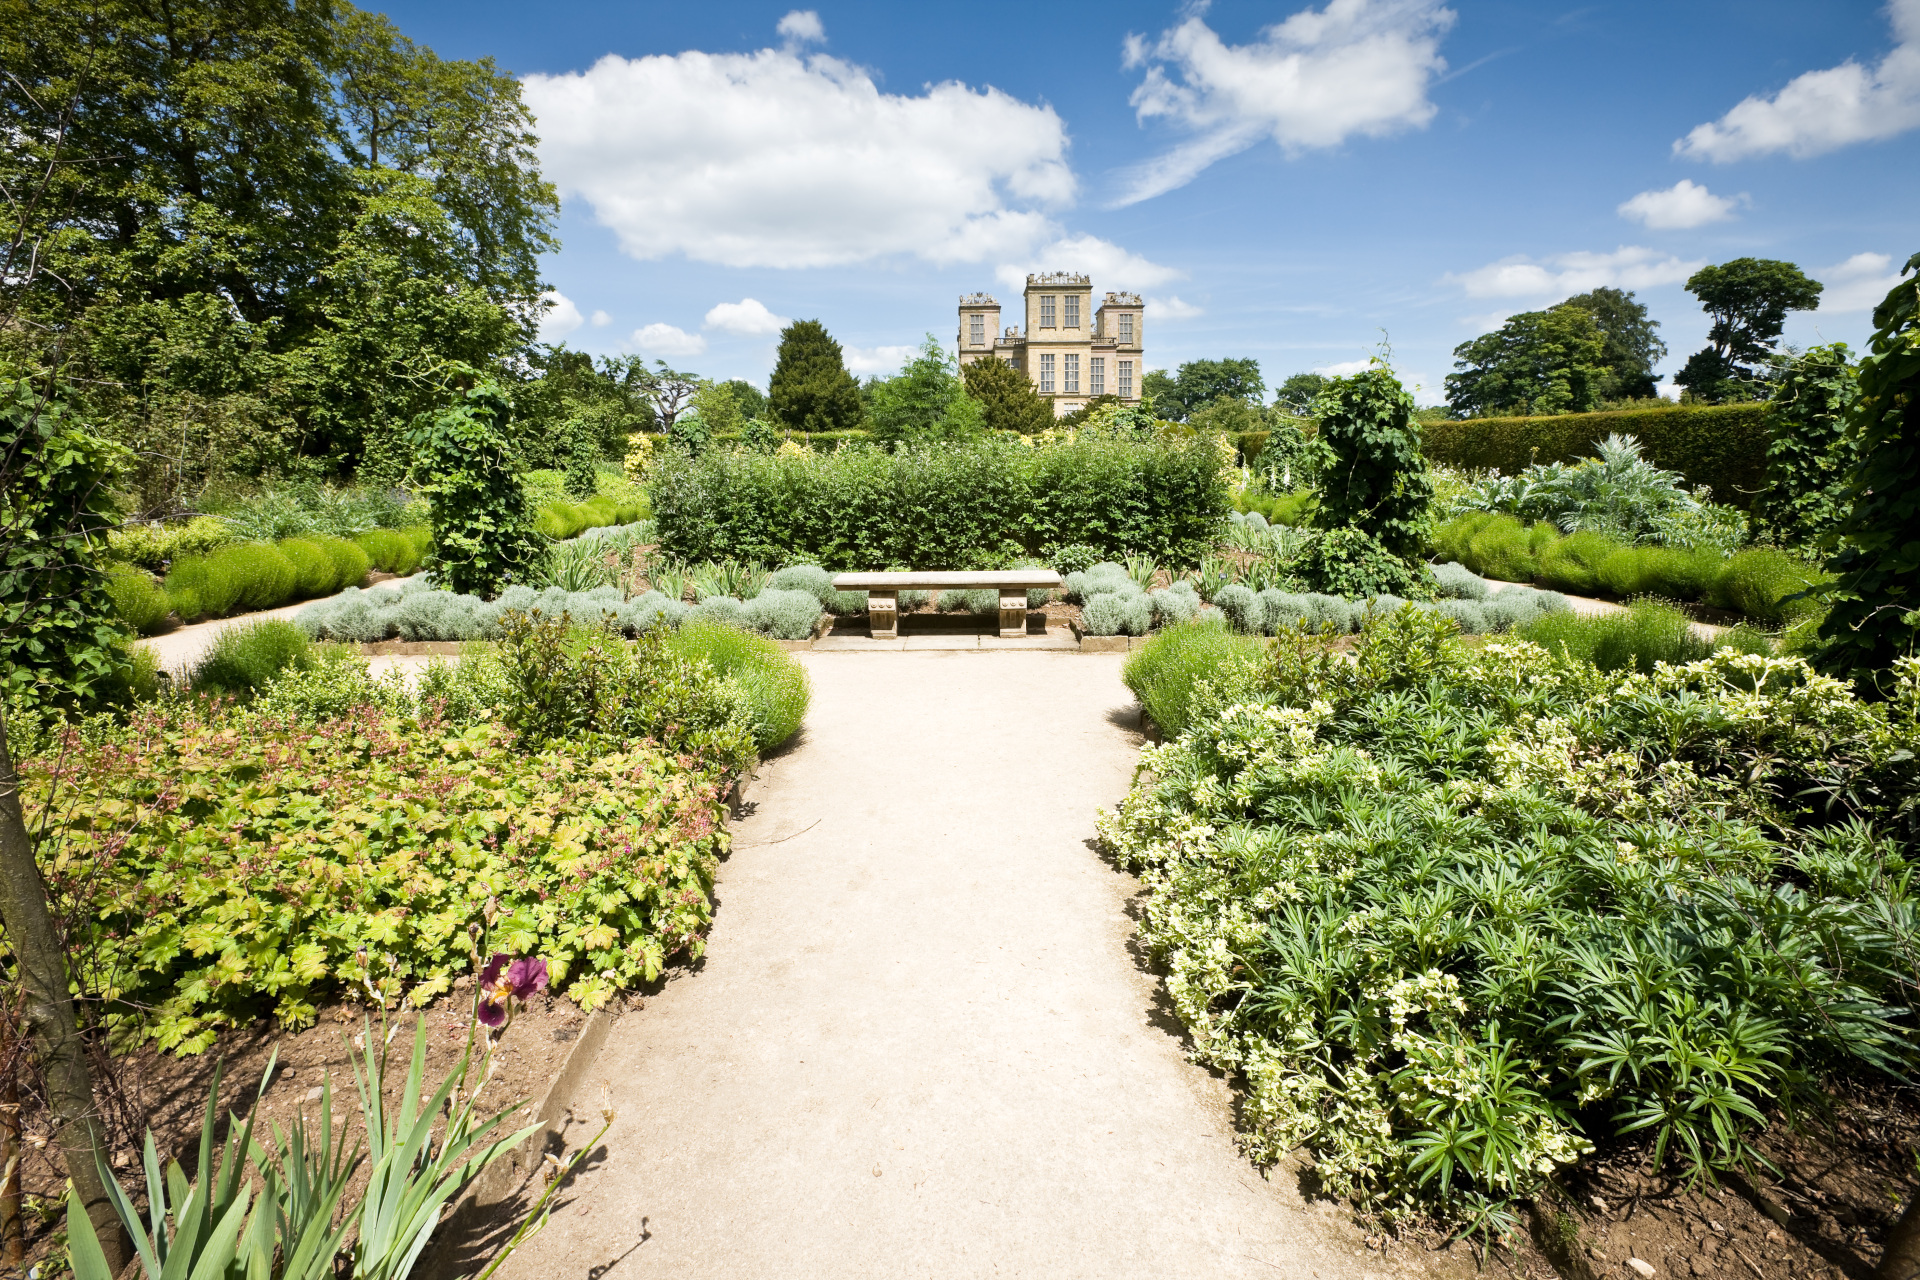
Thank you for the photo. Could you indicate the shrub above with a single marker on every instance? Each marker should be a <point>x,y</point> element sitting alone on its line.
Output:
<point>1517,606</point>
<point>1325,611</point>
<point>1243,609</point>
<point>1350,562</point>
<point>721,610</point>
<point>1116,613</point>
<point>1809,456</point>
<point>244,658</point>
<point>978,600</point>
<point>152,546</point>
<point>936,506</point>
<point>1174,605</point>
<point>483,535</point>
<point>1668,572</point>
<point>313,569</point>
<point>784,615</point>
<point>1573,563</point>
<point>1617,492</point>
<point>1164,672</point>
<point>1103,577</point>
<point>1455,581</point>
<point>1073,557</point>
<point>1503,549</point>
<point>1758,581</point>
<point>1639,636</point>
<point>138,601</point>
<point>1723,446</point>
<point>350,563</point>
<point>774,682</point>
<point>1469,615</point>
<point>1375,477</point>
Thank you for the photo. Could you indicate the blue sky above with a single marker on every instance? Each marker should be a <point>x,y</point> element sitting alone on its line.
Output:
<point>1282,181</point>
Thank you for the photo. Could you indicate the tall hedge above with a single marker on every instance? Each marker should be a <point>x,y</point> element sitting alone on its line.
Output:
<point>1724,446</point>
<point>939,506</point>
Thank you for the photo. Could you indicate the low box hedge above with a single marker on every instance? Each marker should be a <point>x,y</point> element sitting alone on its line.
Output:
<point>1722,446</point>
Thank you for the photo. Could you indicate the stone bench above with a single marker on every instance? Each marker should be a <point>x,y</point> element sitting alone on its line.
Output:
<point>883,593</point>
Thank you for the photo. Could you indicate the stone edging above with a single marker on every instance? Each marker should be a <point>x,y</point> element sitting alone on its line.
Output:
<point>1107,644</point>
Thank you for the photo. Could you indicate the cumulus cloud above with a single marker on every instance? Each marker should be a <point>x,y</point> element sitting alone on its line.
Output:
<point>601,319</point>
<point>1860,283</point>
<point>748,317</point>
<point>1315,80</point>
<point>1628,267</point>
<point>1111,266</point>
<point>861,361</point>
<point>779,159</point>
<point>559,318</point>
<point>666,340</point>
<point>1172,307</point>
<point>1823,110</point>
<point>802,26</point>
<point>1344,369</point>
<point>1684,205</point>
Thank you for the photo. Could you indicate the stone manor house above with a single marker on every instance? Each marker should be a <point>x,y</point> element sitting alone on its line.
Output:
<point>1069,351</point>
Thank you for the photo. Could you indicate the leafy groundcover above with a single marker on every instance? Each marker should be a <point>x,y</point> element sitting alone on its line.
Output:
<point>1454,914</point>
<point>217,863</point>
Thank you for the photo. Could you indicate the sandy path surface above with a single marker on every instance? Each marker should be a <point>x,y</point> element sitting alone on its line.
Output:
<point>920,1044</point>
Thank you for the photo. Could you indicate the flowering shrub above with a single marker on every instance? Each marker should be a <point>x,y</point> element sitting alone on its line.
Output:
<point>1456,914</point>
<point>220,862</point>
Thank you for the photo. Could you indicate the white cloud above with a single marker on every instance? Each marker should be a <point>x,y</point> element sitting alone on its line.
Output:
<point>1344,369</point>
<point>1860,283</point>
<point>601,319</point>
<point>667,340</point>
<point>861,361</point>
<point>1628,267</point>
<point>802,26</point>
<point>1824,110</point>
<point>559,317</point>
<point>1314,80</point>
<point>1111,266</point>
<point>747,317</point>
<point>1172,307</point>
<point>1682,206</point>
<point>774,159</point>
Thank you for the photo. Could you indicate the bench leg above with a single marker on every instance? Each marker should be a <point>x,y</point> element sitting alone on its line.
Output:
<point>883,615</point>
<point>1013,613</point>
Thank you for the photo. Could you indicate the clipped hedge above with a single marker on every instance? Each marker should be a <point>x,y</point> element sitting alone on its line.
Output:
<point>1723,446</point>
<point>940,506</point>
<point>818,441</point>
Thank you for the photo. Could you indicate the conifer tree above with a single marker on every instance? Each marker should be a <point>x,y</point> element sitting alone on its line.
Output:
<point>1007,397</point>
<point>811,389</point>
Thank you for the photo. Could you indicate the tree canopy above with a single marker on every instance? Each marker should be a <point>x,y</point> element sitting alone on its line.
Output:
<point>1200,382</point>
<point>811,389</point>
<point>1748,299</point>
<point>1007,398</point>
<point>1633,345</point>
<point>925,400</point>
<point>262,232</point>
<point>1543,362</point>
<point>1297,393</point>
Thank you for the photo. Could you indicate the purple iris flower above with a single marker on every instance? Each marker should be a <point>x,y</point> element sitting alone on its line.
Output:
<point>505,980</point>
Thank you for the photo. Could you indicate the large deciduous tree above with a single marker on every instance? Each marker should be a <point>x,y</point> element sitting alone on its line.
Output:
<point>811,389</point>
<point>1198,383</point>
<point>273,225</point>
<point>1748,299</point>
<point>926,400</point>
<point>1633,345</point>
<point>1543,362</point>
<point>1007,398</point>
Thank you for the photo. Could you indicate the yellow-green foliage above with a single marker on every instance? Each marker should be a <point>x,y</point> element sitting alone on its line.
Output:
<point>138,599</point>
<point>1758,581</point>
<point>398,551</point>
<point>314,570</point>
<point>1573,563</point>
<point>1164,672</point>
<point>244,658</point>
<point>151,546</point>
<point>224,864</point>
<point>350,563</point>
<point>233,579</point>
<point>773,679</point>
<point>563,520</point>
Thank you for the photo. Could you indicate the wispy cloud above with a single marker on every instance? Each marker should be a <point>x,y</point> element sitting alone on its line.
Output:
<point>1628,267</point>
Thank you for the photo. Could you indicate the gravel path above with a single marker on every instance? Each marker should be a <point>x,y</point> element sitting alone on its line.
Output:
<point>921,1043</point>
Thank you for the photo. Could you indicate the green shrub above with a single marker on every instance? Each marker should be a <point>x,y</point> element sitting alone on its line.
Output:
<point>784,615</point>
<point>350,562</point>
<point>1721,446</point>
<point>774,681</point>
<point>313,569</point>
<point>138,600</point>
<point>244,658</point>
<point>483,535</point>
<point>1375,478</point>
<point>1164,672</point>
<point>234,579</point>
<point>152,546</point>
<point>1758,581</point>
<point>1668,572</point>
<point>1573,563</point>
<point>1502,549</point>
<point>937,506</point>
<point>1644,633</point>
<point>1350,562</point>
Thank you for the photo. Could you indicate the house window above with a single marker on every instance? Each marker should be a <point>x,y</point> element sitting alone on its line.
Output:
<point>1046,311</point>
<point>1012,363</point>
<point>1072,378</point>
<point>977,330</point>
<point>1073,311</point>
<point>1126,328</point>
<point>1046,374</point>
<point>1096,375</point>
<point>1126,379</point>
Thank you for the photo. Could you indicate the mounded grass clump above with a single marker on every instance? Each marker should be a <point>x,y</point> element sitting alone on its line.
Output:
<point>1163,672</point>
<point>314,571</point>
<point>396,551</point>
<point>245,576</point>
<point>775,683</point>
<point>1573,563</point>
<point>1649,631</point>
<point>138,599</point>
<point>243,659</point>
<point>1503,548</point>
<point>350,562</point>
<point>1758,581</point>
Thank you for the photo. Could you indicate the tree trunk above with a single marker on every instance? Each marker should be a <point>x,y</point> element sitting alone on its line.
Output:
<point>50,1014</point>
<point>13,1244</point>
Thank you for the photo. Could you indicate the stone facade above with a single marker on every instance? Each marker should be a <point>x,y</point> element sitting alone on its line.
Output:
<point>1070,351</point>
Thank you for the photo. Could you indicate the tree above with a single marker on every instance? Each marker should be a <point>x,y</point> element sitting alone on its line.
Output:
<point>717,408</point>
<point>1007,399</point>
<point>669,392</point>
<point>1376,478</point>
<point>747,398</point>
<point>1537,362</point>
<point>1748,299</point>
<point>1633,343</point>
<point>1201,382</point>
<point>1876,602</point>
<point>1809,455</point>
<point>925,401</point>
<point>811,389</point>
<point>1296,395</point>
